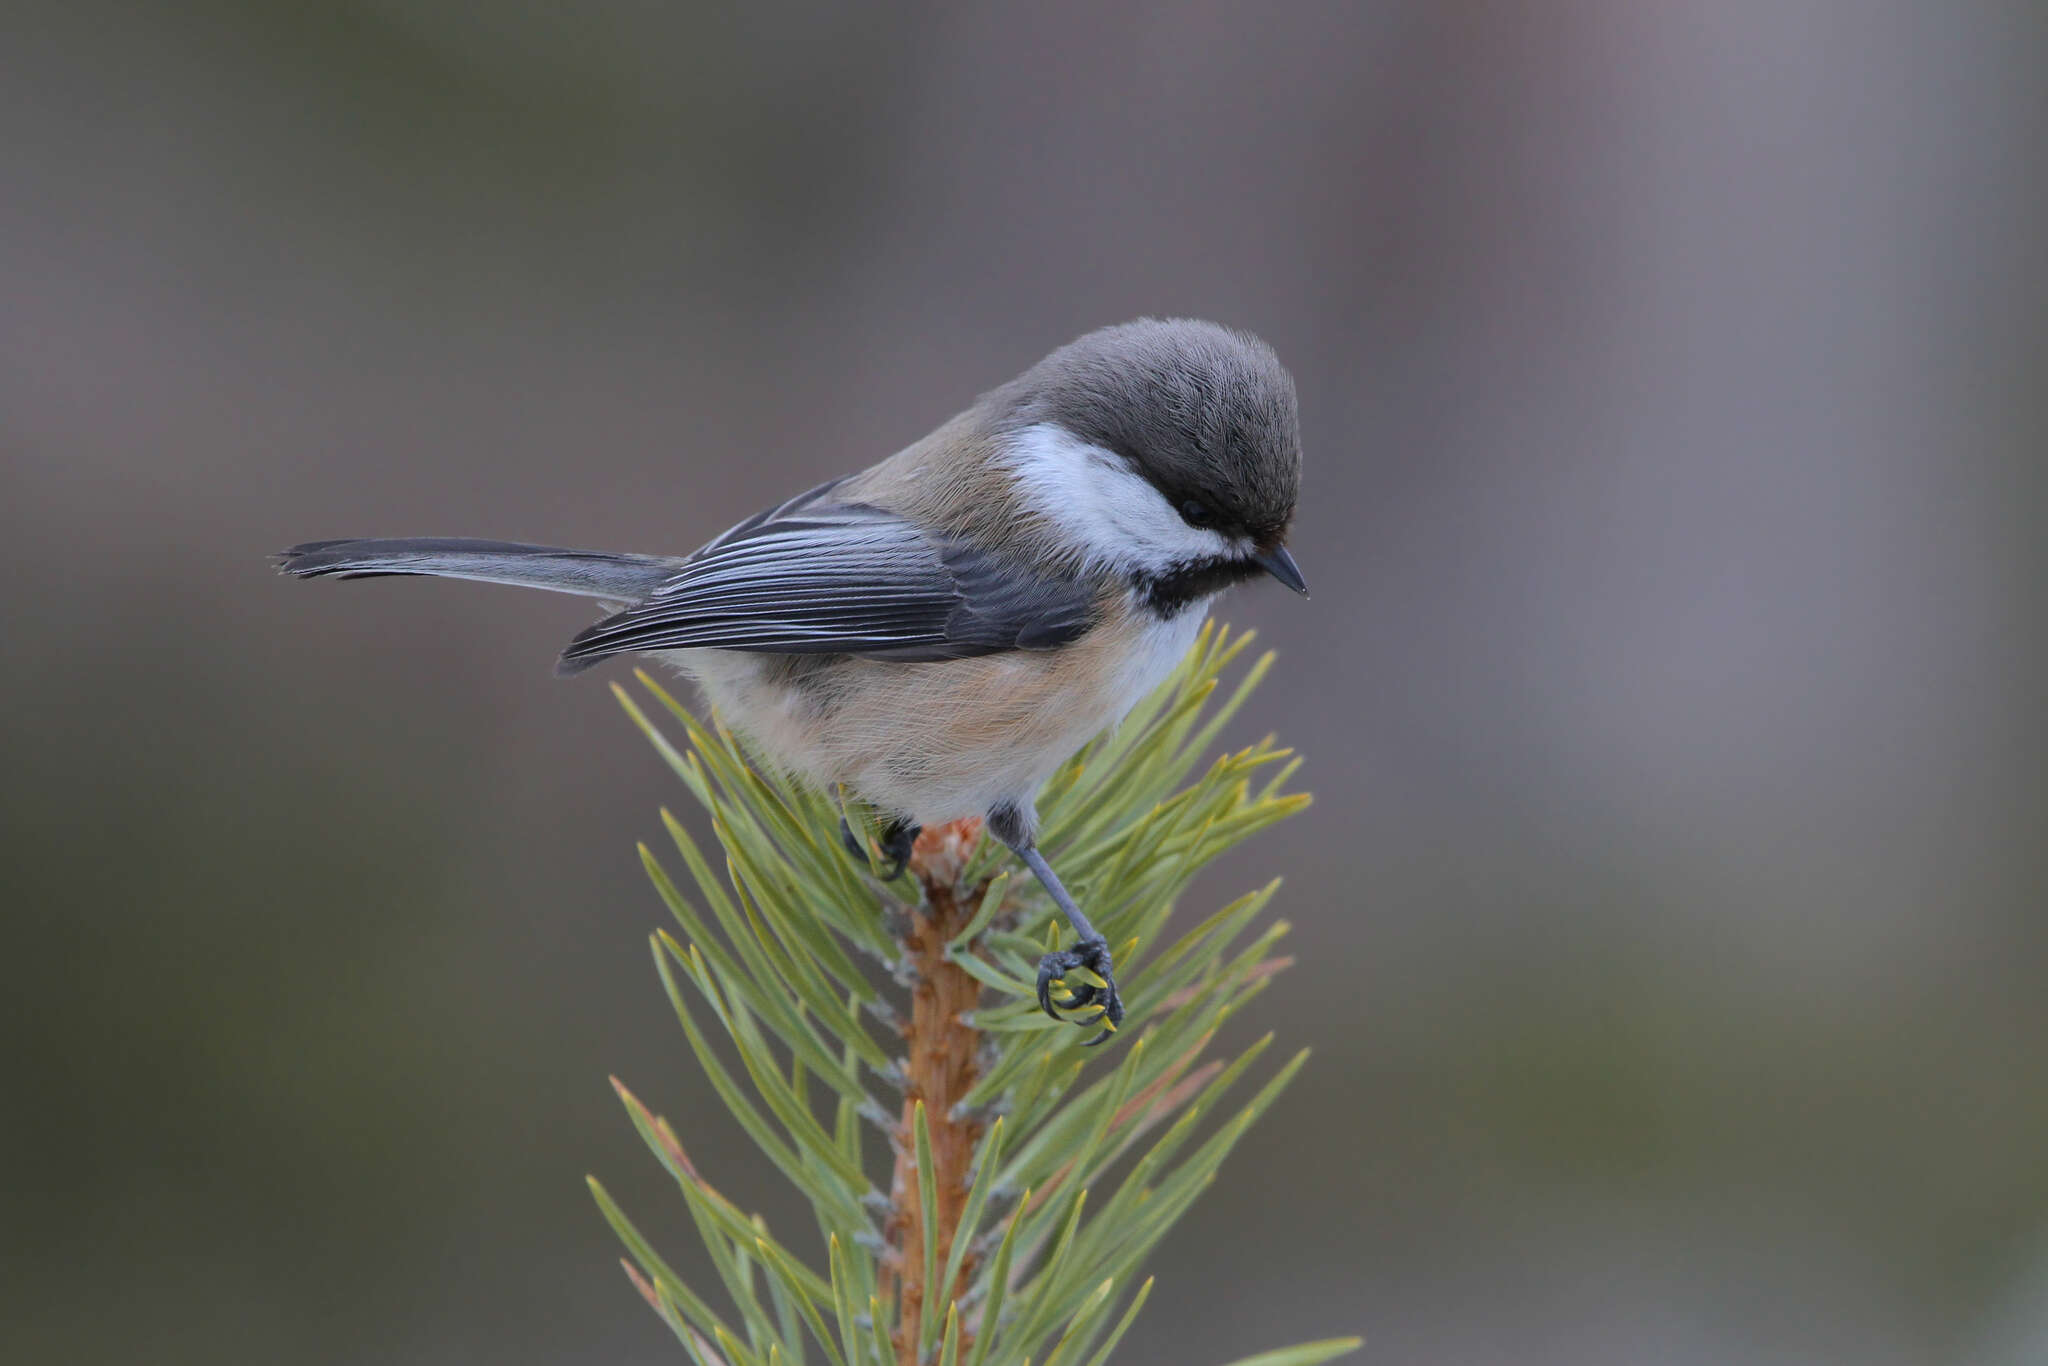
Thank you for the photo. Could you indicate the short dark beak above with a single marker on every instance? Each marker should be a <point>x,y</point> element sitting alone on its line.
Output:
<point>1281,566</point>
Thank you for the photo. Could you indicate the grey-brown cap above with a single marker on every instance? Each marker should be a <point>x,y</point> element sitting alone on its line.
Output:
<point>1206,413</point>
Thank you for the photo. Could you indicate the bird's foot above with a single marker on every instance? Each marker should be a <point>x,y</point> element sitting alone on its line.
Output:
<point>1078,986</point>
<point>897,839</point>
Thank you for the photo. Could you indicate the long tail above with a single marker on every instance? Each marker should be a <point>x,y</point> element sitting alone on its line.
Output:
<point>587,573</point>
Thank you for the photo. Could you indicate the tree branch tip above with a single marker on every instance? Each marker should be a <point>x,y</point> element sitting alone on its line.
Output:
<point>955,1202</point>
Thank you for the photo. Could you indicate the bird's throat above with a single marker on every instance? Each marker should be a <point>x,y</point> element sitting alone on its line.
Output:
<point>1169,593</point>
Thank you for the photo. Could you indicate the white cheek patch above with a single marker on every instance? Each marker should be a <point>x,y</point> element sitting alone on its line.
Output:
<point>1106,510</point>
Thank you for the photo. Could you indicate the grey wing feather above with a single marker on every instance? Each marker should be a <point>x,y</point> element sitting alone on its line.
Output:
<point>816,576</point>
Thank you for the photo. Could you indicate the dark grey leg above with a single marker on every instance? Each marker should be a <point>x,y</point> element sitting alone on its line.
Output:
<point>1017,830</point>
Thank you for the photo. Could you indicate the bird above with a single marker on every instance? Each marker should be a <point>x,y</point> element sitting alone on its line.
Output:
<point>939,632</point>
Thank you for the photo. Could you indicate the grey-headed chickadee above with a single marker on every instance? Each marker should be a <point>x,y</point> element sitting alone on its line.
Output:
<point>940,631</point>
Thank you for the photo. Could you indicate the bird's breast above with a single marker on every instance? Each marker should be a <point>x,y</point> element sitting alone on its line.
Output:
<point>942,740</point>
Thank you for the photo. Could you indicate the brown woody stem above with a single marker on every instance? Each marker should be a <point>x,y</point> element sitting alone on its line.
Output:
<point>942,1068</point>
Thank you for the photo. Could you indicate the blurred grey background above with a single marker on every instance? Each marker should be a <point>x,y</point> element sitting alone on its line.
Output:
<point>1671,913</point>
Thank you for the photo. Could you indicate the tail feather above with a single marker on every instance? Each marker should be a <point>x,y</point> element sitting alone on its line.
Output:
<point>586,573</point>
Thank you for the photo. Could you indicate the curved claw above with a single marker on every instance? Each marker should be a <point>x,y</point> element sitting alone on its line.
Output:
<point>1078,986</point>
<point>897,842</point>
<point>1112,1015</point>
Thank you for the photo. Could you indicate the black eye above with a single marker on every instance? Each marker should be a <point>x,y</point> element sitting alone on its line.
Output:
<point>1196,513</point>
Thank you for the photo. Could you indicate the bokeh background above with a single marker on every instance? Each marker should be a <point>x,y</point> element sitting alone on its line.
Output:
<point>1671,915</point>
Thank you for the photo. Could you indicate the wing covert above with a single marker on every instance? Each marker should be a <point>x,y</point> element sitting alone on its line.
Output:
<point>817,576</point>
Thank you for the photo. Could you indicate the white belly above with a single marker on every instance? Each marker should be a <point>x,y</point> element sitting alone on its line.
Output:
<point>934,742</point>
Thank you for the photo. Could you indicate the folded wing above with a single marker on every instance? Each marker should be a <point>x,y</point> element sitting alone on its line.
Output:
<point>821,576</point>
